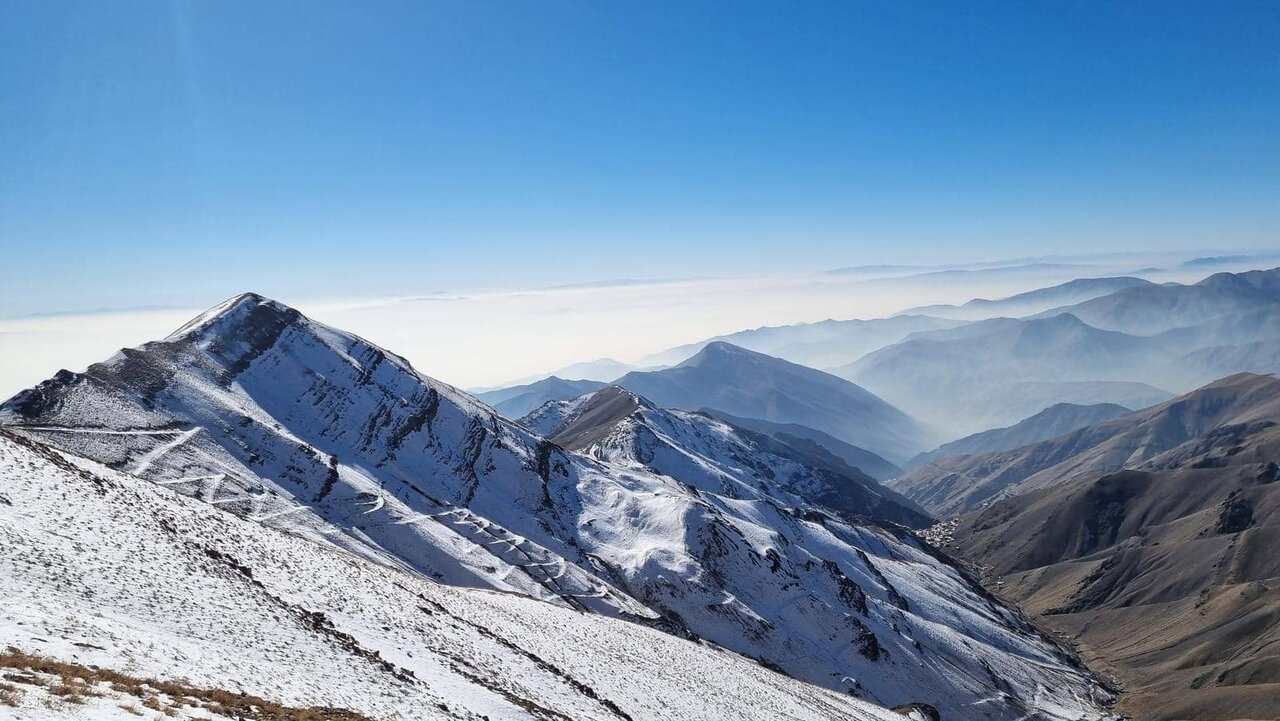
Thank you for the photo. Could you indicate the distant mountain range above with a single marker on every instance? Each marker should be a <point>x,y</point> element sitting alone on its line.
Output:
<point>1133,347</point>
<point>744,383</point>
<point>1151,309</point>
<point>1035,301</point>
<point>958,484</point>
<point>603,370</point>
<point>997,372</point>
<point>818,345</point>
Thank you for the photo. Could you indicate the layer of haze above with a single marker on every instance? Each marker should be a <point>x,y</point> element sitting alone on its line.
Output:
<point>493,338</point>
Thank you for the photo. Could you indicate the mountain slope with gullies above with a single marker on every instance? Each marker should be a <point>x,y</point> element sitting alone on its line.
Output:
<point>740,382</point>
<point>109,577</point>
<point>957,484</point>
<point>260,412</point>
<point>823,581</point>
<point>1165,575</point>
<point>267,414</point>
<point>784,467</point>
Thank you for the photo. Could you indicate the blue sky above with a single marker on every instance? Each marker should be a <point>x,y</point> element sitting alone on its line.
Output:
<point>175,153</point>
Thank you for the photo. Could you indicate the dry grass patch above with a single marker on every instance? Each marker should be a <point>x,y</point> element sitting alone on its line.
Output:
<point>74,682</point>
<point>10,695</point>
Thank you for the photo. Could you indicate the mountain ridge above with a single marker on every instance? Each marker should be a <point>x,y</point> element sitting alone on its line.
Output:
<point>1033,301</point>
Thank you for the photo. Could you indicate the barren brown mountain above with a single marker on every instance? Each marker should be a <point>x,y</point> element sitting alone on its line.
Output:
<point>1165,576</point>
<point>958,484</point>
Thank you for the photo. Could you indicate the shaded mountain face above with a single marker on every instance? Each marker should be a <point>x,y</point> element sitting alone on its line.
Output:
<point>958,484</point>
<point>1165,575</point>
<point>1049,423</point>
<point>1035,301</point>
<point>800,436</point>
<point>1151,309</point>
<point>263,413</point>
<point>743,383</point>
<point>818,345</point>
<point>517,401</point>
<point>108,571</point>
<point>995,373</point>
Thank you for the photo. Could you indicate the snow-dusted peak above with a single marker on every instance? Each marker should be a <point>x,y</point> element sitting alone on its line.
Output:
<point>230,312</point>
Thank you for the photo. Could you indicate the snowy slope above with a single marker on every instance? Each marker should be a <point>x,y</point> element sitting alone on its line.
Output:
<point>271,416</point>
<point>791,469</point>
<point>675,522</point>
<point>817,595</point>
<point>102,569</point>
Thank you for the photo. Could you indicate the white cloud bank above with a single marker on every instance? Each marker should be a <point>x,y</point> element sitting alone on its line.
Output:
<point>492,338</point>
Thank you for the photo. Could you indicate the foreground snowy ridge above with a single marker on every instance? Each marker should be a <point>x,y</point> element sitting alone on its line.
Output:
<point>101,568</point>
<point>669,519</point>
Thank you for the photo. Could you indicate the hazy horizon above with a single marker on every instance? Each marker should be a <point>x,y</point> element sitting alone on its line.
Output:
<point>493,338</point>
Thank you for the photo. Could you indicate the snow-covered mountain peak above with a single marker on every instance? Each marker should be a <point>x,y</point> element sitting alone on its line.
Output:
<point>230,312</point>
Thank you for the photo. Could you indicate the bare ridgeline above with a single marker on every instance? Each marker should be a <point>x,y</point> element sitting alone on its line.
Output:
<point>263,507</point>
